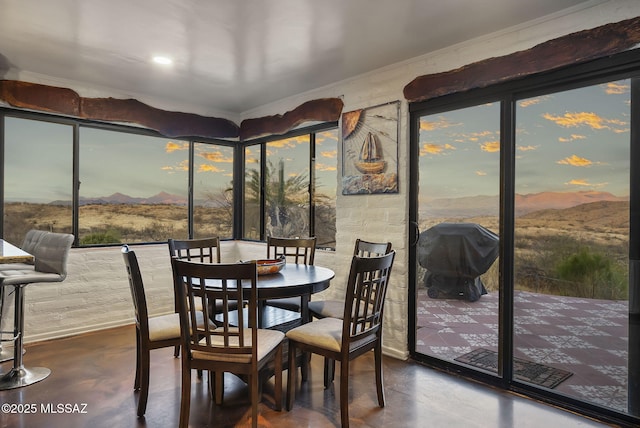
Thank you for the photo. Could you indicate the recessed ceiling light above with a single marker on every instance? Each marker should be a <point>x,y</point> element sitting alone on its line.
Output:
<point>162,60</point>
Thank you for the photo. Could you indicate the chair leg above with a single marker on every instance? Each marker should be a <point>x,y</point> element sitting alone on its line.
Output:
<point>304,367</point>
<point>291,376</point>
<point>278,380</point>
<point>219,386</point>
<point>379,381</point>
<point>144,381</point>
<point>329,371</point>
<point>176,351</point>
<point>185,402</point>
<point>255,398</point>
<point>344,392</point>
<point>136,382</point>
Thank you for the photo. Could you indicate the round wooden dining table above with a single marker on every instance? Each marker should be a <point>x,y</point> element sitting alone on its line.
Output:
<point>294,280</point>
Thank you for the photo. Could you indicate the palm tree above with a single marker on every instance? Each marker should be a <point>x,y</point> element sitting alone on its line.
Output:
<point>286,200</point>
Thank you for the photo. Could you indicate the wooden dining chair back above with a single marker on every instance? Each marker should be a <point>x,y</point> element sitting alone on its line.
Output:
<point>334,308</point>
<point>364,248</point>
<point>359,331</point>
<point>295,250</point>
<point>229,347</point>
<point>205,250</point>
<point>151,332</point>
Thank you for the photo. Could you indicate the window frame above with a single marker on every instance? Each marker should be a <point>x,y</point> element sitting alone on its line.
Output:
<point>621,66</point>
<point>262,143</point>
<point>238,166</point>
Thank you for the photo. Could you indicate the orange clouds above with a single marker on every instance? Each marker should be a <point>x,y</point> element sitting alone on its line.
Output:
<point>182,166</point>
<point>529,102</point>
<point>324,167</point>
<point>615,88</point>
<point>172,147</point>
<point>573,137</point>
<point>592,120</point>
<point>209,168</point>
<point>434,149</point>
<point>584,183</point>
<point>289,142</point>
<point>329,154</point>
<point>215,157</point>
<point>440,124</point>
<point>574,160</point>
<point>490,146</point>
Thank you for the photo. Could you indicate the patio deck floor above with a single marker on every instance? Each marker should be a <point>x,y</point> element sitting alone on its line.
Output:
<point>587,337</point>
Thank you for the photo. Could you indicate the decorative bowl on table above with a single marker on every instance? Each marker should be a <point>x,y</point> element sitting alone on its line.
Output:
<point>270,266</point>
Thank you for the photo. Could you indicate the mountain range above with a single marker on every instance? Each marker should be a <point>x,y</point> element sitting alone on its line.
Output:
<point>524,204</point>
<point>120,198</point>
<point>443,207</point>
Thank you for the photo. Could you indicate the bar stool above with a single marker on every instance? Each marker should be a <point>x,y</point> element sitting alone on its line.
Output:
<point>28,244</point>
<point>51,253</point>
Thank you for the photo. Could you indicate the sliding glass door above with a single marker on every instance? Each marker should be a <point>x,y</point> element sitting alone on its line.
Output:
<point>526,252</point>
<point>572,242</point>
<point>458,205</point>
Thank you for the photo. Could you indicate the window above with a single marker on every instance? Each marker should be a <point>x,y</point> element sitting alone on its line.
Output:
<point>212,191</point>
<point>572,238</point>
<point>325,168</point>
<point>287,187</point>
<point>295,179</point>
<point>133,187</point>
<point>558,317</point>
<point>38,177</point>
<point>252,191</point>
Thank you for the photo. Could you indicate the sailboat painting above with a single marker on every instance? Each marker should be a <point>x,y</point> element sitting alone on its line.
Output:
<point>370,150</point>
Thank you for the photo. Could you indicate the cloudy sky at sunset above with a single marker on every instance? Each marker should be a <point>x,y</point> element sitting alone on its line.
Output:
<point>138,166</point>
<point>570,141</point>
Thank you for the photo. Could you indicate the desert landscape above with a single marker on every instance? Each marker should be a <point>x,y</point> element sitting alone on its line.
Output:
<point>547,237</point>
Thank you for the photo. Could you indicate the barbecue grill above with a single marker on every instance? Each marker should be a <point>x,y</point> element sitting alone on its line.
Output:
<point>454,256</point>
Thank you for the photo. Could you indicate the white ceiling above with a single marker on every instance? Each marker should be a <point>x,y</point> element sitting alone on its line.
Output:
<point>234,55</point>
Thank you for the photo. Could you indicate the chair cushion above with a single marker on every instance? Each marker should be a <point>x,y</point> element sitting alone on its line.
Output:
<point>325,333</point>
<point>268,340</point>
<point>327,308</point>
<point>164,327</point>
<point>27,275</point>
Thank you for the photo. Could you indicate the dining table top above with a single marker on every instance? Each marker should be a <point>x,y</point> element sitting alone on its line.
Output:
<point>294,280</point>
<point>9,253</point>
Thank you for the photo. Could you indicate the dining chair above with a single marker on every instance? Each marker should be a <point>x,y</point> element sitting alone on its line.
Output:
<point>296,250</point>
<point>151,332</point>
<point>204,250</point>
<point>359,331</point>
<point>335,308</point>
<point>227,347</point>
<point>51,253</point>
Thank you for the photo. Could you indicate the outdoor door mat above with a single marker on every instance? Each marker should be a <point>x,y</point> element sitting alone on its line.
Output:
<point>527,371</point>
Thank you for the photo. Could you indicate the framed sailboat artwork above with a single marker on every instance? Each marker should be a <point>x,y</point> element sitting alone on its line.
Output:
<point>370,150</point>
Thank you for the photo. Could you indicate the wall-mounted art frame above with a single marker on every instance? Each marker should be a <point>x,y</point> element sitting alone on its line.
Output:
<point>370,150</point>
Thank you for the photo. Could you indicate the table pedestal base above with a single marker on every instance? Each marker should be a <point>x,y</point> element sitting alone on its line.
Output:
<point>19,377</point>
